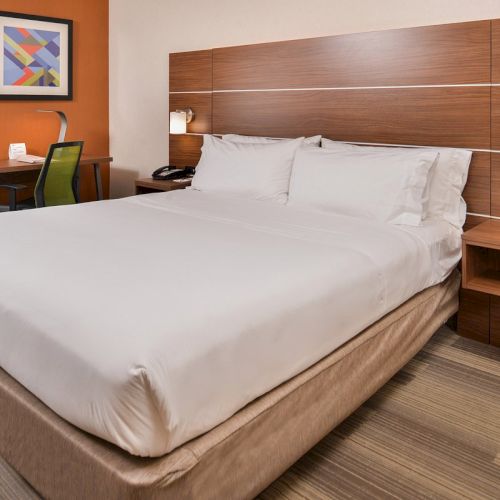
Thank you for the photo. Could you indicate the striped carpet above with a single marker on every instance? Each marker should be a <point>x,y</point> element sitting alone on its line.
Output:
<point>433,431</point>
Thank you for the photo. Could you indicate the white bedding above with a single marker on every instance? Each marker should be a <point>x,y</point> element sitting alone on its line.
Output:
<point>149,320</point>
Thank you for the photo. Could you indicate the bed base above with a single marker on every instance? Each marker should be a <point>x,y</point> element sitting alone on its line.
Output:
<point>243,455</point>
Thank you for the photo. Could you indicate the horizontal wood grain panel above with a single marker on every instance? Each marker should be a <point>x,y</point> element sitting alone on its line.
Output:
<point>190,71</point>
<point>457,116</point>
<point>445,54</point>
<point>201,104</point>
<point>495,118</point>
<point>495,184</point>
<point>495,51</point>
<point>185,150</point>
<point>477,189</point>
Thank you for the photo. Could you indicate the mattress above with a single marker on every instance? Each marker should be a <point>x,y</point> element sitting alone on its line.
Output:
<point>192,305</point>
<point>244,454</point>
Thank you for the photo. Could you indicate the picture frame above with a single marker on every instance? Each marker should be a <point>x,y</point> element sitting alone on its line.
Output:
<point>36,60</point>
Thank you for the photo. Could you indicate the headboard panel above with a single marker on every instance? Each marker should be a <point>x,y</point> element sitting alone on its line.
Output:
<point>191,86</point>
<point>429,86</point>
<point>477,191</point>
<point>452,116</point>
<point>191,71</point>
<point>446,54</point>
<point>495,50</point>
<point>185,150</point>
<point>201,103</point>
<point>495,118</point>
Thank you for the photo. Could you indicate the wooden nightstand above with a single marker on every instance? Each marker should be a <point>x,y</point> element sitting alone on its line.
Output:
<point>481,258</point>
<point>481,280</point>
<point>149,185</point>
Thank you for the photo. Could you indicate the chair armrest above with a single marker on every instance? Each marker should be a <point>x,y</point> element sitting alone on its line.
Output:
<point>14,187</point>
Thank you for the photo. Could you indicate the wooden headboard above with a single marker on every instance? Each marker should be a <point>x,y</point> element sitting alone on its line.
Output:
<point>427,86</point>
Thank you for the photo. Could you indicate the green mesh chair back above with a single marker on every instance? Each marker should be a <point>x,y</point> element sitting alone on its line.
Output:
<point>58,180</point>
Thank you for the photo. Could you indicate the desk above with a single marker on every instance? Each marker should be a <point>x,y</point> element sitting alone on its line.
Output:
<point>12,167</point>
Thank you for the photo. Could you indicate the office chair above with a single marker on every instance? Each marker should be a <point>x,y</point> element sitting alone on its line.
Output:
<point>58,182</point>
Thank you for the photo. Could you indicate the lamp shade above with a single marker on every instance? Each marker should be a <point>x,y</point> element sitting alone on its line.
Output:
<point>178,121</point>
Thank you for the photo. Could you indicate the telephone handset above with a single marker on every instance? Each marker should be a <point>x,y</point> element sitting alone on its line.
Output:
<point>170,172</point>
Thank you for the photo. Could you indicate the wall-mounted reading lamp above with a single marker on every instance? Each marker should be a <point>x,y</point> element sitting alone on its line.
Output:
<point>64,122</point>
<point>179,120</point>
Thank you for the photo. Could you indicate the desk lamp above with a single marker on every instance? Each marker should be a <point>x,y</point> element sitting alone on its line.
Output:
<point>64,122</point>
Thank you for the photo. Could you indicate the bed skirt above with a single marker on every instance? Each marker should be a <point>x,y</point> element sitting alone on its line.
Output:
<point>241,456</point>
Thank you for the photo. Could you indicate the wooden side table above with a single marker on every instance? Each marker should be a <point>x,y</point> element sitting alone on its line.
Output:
<point>481,272</point>
<point>150,185</point>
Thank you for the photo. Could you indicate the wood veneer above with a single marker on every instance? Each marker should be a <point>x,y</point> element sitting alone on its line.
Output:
<point>150,185</point>
<point>495,320</point>
<point>191,71</point>
<point>185,150</point>
<point>481,258</point>
<point>487,235</point>
<point>444,54</point>
<point>474,315</point>
<point>495,184</point>
<point>477,190</point>
<point>472,221</point>
<point>495,117</point>
<point>456,116</point>
<point>495,164</point>
<point>201,104</point>
<point>495,48</point>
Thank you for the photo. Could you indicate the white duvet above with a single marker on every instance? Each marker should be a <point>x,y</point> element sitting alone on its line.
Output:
<point>149,320</point>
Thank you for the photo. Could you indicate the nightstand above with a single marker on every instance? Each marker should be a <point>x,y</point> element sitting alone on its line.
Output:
<point>481,278</point>
<point>150,185</point>
<point>481,258</point>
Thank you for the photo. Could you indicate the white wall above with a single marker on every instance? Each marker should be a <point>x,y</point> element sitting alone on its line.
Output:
<point>143,32</point>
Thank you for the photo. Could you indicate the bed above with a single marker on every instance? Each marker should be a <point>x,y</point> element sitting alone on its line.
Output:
<point>305,316</point>
<point>154,383</point>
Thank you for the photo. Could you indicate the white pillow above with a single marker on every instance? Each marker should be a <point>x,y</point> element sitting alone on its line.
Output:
<point>384,186</point>
<point>257,171</point>
<point>446,180</point>
<point>309,141</point>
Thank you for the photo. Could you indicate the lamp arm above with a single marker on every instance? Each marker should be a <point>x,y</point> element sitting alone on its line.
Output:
<point>64,122</point>
<point>63,127</point>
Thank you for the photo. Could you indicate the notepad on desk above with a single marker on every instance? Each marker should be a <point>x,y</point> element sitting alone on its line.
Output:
<point>30,158</point>
<point>17,152</point>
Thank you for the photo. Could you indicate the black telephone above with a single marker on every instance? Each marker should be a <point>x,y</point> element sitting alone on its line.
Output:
<point>170,173</point>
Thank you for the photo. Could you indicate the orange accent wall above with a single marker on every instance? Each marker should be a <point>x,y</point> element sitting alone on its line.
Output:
<point>88,112</point>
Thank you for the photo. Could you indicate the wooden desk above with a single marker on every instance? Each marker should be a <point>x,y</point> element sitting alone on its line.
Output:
<point>8,167</point>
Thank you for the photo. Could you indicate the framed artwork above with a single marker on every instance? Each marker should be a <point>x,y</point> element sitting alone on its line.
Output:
<point>36,61</point>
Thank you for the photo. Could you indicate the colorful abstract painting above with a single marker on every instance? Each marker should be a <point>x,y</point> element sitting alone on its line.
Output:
<point>31,57</point>
<point>36,57</point>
